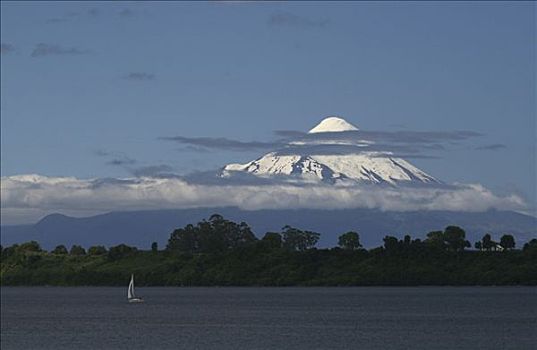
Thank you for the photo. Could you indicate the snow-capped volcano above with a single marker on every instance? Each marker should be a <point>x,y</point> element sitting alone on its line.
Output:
<point>333,124</point>
<point>332,167</point>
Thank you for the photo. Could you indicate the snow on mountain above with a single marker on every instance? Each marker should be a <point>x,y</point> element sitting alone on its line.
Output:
<point>362,166</point>
<point>333,124</point>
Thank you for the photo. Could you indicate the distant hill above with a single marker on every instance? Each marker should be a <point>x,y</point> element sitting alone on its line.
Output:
<point>140,228</point>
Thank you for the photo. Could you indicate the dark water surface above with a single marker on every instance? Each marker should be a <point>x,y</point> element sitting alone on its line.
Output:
<point>270,318</point>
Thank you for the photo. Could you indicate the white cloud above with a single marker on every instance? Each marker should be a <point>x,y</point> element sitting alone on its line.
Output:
<point>23,197</point>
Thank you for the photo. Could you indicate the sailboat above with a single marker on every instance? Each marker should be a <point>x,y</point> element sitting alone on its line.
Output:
<point>130,293</point>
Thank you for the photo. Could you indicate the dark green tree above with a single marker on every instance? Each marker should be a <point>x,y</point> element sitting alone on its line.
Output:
<point>32,260</point>
<point>97,250</point>
<point>507,242</point>
<point>273,240</point>
<point>529,249</point>
<point>478,245</point>
<point>391,244</point>
<point>350,241</point>
<point>120,251</point>
<point>31,246</point>
<point>185,240</point>
<point>233,235</point>
<point>77,250</point>
<point>211,236</point>
<point>154,247</point>
<point>9,251</point>
<point>532,244</point>
<point>487,243</point>
<point>436,239</point>
<point>298,240</point>
<point>60,250</point>
<point>454,238</point>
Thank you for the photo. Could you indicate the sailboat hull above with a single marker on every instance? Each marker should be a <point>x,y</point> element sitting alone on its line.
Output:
<point>136,300</point>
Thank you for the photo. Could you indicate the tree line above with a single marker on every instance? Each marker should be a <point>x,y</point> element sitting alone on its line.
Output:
<point>218,251</point>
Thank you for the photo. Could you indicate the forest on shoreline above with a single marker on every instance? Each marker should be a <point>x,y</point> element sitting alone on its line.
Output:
<point>219,252</point>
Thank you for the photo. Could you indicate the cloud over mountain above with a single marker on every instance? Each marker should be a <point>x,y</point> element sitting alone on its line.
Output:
<point>410,144</point>
<point>60,194</point>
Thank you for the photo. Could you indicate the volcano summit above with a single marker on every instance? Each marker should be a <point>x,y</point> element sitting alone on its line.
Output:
<point>327,157</point>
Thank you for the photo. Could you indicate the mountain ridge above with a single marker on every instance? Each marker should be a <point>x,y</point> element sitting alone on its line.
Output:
<point>140,228</point>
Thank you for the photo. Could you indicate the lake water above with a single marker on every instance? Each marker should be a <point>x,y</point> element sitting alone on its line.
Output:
<point>270,318</point>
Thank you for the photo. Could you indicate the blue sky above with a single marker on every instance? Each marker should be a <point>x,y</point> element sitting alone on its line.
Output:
<point>84,84</point>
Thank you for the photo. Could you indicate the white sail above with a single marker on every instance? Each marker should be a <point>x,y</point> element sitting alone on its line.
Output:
<point>130,291</point>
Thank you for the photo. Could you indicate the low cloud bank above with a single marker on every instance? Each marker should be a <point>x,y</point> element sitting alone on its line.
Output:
<point>33,194</point>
